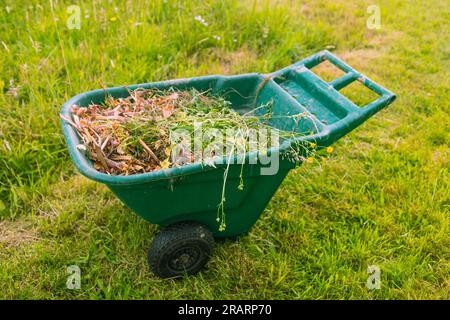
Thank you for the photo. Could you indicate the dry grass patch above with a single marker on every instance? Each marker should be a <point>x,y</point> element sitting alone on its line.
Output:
<point>16,233</point>
<point>233,62</point>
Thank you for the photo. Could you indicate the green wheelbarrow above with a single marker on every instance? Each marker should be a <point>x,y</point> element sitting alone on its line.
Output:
<point>183,200</point>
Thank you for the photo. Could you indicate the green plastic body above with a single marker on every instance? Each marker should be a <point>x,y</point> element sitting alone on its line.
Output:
<point>193,192</point>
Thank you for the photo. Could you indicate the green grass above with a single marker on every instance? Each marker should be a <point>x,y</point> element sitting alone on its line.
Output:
<point>382,199</point>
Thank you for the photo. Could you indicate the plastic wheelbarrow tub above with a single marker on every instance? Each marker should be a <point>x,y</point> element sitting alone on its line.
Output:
<point>184,200</point>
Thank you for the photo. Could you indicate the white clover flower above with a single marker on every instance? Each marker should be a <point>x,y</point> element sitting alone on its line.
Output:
<point>217,38</point>
<point>201,20</point>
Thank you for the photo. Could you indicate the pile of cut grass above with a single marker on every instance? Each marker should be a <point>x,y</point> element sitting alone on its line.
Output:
<point>136,134</point>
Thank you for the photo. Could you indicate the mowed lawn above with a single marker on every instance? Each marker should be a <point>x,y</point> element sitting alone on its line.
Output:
<point>381,198</point>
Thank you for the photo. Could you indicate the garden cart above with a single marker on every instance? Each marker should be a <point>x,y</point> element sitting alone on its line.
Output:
<point>183,200</point>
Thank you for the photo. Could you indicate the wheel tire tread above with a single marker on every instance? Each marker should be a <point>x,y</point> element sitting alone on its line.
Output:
<point>174,236</point>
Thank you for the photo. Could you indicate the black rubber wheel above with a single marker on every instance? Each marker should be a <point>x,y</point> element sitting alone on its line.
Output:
<point>180,249</point>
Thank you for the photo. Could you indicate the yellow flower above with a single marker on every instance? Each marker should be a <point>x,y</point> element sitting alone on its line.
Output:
<point>310,160</point>
<point>313,145</point>
<point>113,19</point>
<point>165,164</point>
<point>330,150</point>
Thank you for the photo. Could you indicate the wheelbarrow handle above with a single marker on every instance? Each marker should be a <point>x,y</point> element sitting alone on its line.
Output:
<point>354,115</point>
<point>385,96</point>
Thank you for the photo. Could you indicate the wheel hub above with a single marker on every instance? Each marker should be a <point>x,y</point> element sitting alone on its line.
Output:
<point>184,258</point>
